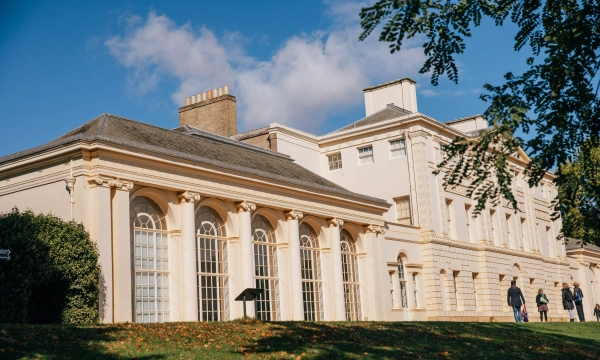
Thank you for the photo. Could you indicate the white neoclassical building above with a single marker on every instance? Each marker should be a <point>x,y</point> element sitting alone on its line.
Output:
<point>350,225</point>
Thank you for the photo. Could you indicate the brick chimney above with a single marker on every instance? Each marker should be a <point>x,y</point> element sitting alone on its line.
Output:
<point>213,110</point>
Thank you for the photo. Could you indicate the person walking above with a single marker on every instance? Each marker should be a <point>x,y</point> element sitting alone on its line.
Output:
<point>597,312</point>
<point>567,300</point>
<point>542,303</point>
<point>578,299</point>
<point>515,299</point>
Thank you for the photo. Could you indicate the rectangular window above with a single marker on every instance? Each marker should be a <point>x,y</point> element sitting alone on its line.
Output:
<point>398,148</point>
<point>450,217</point>
<point>509,239</point>
<point>493,225</point>
<point>403,210</point>
<point>414,275</point>
<point>475,290</point>
<point>523,233</point>
<point>454,281</point>
<point>334,161</point>
<point>550,237</point>
<point>469,228</point>
<point>365,155</point>
<point>392,288</point>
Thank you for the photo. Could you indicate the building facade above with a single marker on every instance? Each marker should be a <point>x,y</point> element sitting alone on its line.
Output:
<point>350,225</point>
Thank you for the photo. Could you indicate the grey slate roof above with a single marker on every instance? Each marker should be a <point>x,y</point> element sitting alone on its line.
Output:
<point>201,147</point>
<point>571,244</point>
<point>391,111</point>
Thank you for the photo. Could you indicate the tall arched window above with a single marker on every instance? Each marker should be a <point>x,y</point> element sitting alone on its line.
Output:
<point>350,277</point>
<point>402,279</point>
<point>266,272</point>
<point>151,261</point>
<point>213,278</point>
<point>312,286</point>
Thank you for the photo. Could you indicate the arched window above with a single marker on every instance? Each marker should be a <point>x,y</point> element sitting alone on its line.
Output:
<point>266,272</point>
<point>402,279</point>
<point>350,275</point>
<point>312,286</point>
<point>151,261</point>
<point>213,278</point>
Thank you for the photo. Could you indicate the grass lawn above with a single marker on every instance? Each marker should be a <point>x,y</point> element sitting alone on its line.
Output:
<point>303,340</point>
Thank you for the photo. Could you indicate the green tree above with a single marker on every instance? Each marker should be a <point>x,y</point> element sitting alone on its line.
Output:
<point>555,101</point>
<point>578,196</point>
<point>53,274</point>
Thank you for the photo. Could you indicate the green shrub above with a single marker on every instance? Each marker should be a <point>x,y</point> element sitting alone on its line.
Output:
<point>53,274</point>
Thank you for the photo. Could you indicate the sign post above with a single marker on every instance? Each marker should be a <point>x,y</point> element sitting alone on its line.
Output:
<point>249,294</point>
<point>4,254</point>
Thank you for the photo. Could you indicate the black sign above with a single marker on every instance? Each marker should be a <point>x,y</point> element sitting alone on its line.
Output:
<point>4,254</point>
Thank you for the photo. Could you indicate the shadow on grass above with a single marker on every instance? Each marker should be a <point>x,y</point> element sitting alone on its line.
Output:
<point>431,340</point>
<point>60,342</point>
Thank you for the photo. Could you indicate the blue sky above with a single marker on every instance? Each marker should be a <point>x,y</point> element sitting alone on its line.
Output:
<point>298,63</point>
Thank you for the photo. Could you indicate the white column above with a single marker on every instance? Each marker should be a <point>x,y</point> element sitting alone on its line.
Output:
<point>245,220</point>
<point>121,250</point>
<point>99,226</point>
<point>375,292</point>
<point>339,306</point>
<point>188,241</point>
<point>295,264</point>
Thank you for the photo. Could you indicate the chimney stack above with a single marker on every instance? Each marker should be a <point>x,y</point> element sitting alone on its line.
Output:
<point>212,110</point>
<point>401,92</point>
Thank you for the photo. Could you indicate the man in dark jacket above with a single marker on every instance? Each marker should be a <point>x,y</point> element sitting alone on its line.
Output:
<point>515,298</point>
<point>578,299</point>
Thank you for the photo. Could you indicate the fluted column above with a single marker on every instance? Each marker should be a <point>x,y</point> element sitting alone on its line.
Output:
<point>295,264</point>
<point>245,209</point>
<point>190,270</point>
<point>339,306</point>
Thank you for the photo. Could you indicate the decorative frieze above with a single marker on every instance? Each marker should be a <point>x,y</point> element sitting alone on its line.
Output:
<point>457,189</point>
<point>542,215</point>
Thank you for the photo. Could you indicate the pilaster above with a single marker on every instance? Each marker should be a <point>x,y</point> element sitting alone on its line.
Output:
<point>295,266</point>
<point>188,240</point>
<point>339,307</point>
<point>245,210</point>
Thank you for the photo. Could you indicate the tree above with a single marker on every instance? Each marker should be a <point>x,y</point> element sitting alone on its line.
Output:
<point>579,193</point>
<point>53,274</point>
<point>555,101</point>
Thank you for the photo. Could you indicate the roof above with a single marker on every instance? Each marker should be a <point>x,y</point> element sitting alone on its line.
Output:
<point>389,112</point>
<point>199,146</point>
<point>572,244</point>
<point>389,83</point>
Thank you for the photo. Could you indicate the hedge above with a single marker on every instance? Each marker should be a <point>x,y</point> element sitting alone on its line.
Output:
<point>53,274</point>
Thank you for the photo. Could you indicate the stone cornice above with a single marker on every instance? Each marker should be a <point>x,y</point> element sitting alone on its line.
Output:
<point>294,215</point>
<point>491,248</point>
<point>117,183</point>
<point>245,206</point>
<point>188,197</point>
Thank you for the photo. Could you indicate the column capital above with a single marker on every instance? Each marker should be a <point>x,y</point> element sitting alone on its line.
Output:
<point>110,182</point>
<point>244,206</point>
<point>374,229</point>
<point>294,215</point>
<point>391,272</point>
<point>188,197</point>
<point>335,222</point>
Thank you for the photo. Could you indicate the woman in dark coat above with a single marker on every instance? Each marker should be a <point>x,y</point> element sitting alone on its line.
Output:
<point>542,303</point>
<point>567,300</point>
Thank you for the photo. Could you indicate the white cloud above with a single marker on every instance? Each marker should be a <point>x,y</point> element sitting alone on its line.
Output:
<point>435,93</point>
<point>306,79</point>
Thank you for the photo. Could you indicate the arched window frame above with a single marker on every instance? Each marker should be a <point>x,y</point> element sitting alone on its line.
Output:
<point>402,280</point>
<point>266,269</point>
<point>212,266</point>
<point>150,265</point>
<point>350,276</point>
<point>312,284</point>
